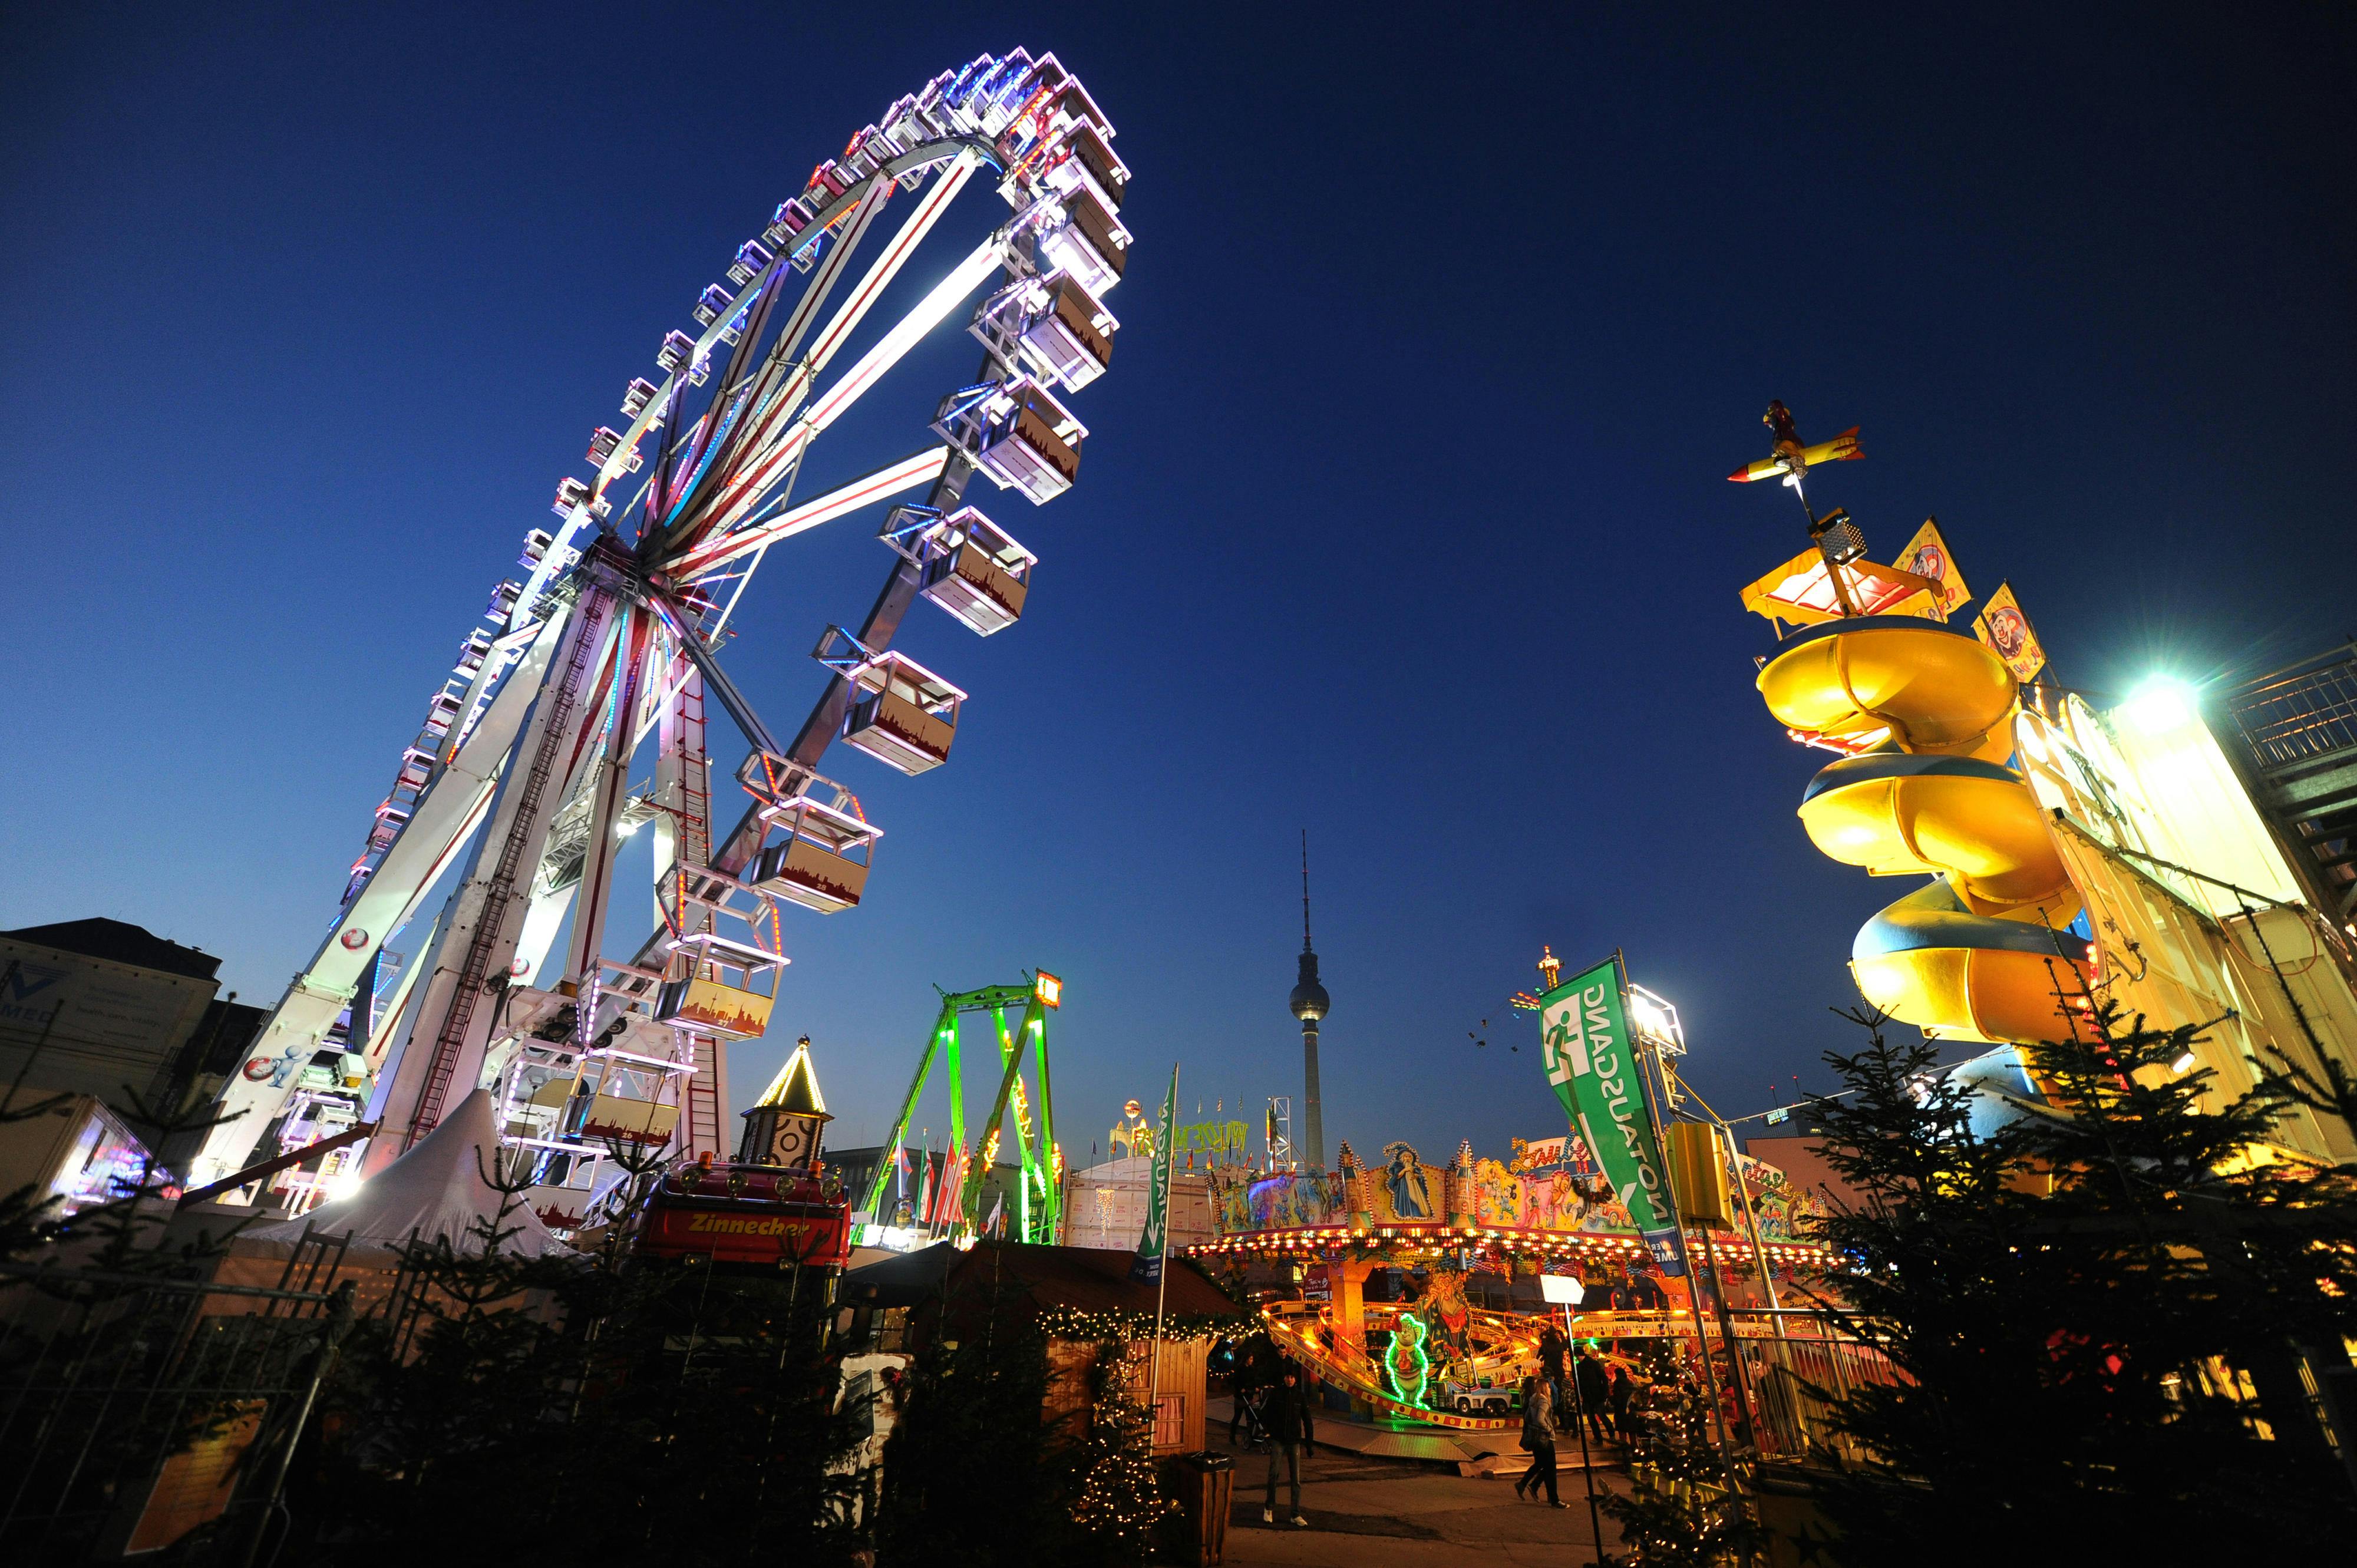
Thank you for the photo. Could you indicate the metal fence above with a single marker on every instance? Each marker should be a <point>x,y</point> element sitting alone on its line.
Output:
<point>2300,715</point>
<point>155,1418</point>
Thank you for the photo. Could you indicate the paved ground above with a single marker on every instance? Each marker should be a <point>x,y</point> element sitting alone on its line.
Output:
<point>1370,1513</point>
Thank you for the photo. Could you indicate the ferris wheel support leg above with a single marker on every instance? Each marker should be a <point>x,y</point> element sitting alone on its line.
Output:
<point>683,831</point>
<point>485,915</point>
<point>542,920</point>
<point>606,786</point>
<point>447,814</point>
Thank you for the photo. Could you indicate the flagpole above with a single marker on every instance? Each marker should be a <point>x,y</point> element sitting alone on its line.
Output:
<point>1161,1275</point>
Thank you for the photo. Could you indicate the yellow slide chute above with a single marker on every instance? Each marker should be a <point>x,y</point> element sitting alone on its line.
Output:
<point>1933,692</point>
<point>1983,952</point>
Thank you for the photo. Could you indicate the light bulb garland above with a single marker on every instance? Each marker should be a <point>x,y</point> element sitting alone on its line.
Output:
<point>1113,1325</point>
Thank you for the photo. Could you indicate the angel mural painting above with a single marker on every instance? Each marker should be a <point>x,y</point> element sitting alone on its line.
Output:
<point>1409,1183</point>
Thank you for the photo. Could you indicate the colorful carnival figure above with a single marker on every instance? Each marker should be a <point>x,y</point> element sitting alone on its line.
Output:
<point>1409,1183</point>
<point>1404,1363</point>
<point>1445,1306</point>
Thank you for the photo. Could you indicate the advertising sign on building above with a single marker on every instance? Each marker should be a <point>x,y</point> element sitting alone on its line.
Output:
<point>1589,1061</point>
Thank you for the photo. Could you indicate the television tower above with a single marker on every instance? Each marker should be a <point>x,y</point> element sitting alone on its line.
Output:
<point>1308,1003</point>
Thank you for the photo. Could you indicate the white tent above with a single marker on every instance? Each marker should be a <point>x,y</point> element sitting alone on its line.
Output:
<point>438,1188</point>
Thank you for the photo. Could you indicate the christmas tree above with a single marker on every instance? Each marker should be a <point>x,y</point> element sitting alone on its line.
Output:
<point>1678,1511</point>
<point>1120,1502</point>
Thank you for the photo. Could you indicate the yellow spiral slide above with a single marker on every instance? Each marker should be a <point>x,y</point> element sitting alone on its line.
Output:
<point>1982,952</point>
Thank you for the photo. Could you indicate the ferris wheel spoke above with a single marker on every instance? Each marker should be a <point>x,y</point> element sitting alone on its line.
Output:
<point>895,255</point>
<point>682,528</point>
<point>889,480</point>
<point>766,449</point>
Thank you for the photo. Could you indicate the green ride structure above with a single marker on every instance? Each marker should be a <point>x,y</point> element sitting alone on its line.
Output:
<point>1037,1208</point>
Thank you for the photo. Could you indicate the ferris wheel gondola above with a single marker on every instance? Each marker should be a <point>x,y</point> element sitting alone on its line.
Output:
<point>519,781</point>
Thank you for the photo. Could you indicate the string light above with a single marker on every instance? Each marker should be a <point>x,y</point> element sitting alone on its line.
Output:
<point>1112,1325</point>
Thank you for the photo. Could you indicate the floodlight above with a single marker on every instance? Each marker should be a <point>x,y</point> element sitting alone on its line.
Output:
<point>2162,703</point>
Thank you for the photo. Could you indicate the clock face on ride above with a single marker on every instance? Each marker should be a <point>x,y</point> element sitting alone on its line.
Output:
<point>792,1141</point>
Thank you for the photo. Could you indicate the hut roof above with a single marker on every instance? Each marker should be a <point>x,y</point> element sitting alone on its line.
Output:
<point>1089,1278</point>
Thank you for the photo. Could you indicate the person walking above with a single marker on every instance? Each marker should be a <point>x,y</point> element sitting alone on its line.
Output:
<point>1289,1413</point>
<point>1553,1349</point>
<point>1623,1389</point>
<point>1538,1438</point>
<point>1595,1393</point>
<point>1250,1384</point>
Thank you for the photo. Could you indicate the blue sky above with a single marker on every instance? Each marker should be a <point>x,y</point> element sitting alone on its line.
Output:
<point>1402,518</point>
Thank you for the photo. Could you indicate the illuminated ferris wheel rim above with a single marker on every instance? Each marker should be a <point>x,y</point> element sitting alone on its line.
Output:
<point>1052,150</point>
<point>714,499</point>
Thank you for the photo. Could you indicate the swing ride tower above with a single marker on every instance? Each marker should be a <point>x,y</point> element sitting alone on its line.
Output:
<point>1038,1193</point>
<point>516,796</point>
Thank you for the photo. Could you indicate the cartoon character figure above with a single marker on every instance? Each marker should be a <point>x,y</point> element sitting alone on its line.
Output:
<point>1404,1365</point>
<point>1131,1135</point>
<point>1498,1196</point>
<point>2009,631</point>
<point>1564,1202</point>
<point>1409,1183</point>
<point>1611,1214</point>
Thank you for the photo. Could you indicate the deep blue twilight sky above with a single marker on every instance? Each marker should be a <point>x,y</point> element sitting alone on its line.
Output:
<point>1403,518</point>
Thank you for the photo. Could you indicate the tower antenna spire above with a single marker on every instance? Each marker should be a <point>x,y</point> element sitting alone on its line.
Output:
<point>1309,1004</point>
<point>1305,890</point>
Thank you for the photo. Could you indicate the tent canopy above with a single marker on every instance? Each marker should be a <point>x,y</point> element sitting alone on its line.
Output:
<point>438,1188</point>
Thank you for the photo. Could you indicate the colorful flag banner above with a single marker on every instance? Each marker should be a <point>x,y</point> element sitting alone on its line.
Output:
<point>1146,1269</point>
<point>1927,555</point>
<point>2003,626</point>
<point>1592,1063</point>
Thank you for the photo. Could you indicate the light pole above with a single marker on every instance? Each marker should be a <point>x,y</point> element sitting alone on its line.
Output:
<point>1653,1023</point>
<point>1562,1290</point>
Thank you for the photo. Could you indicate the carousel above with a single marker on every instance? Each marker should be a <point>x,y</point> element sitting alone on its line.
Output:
<point>1439,1358</point>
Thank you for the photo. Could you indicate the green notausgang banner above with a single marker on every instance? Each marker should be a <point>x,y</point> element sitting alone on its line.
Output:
<point>1154,1242</point>
<point>1589,1060</point>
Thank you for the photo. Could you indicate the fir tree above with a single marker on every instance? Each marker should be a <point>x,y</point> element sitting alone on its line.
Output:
<point>650,1407</point>
<point>2068,1299</point>
<point>966,1478</point>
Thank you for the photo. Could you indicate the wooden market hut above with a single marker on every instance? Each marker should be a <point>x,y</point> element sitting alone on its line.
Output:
<point>1083,1296</point>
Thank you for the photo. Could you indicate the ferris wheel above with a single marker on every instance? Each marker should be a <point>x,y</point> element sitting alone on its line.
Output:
<point>520,779</point>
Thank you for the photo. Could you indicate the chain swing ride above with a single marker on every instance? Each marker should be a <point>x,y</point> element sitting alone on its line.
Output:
<point>952,1202</point>
<point>520,780</point>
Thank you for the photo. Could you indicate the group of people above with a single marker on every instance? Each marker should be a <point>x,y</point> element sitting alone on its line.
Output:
<point>1273,1397</point>
<point>1276,1403</point>
<point>1558,1397</point>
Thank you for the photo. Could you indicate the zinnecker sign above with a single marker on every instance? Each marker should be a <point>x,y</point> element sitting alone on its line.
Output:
<point>1583,1033</point>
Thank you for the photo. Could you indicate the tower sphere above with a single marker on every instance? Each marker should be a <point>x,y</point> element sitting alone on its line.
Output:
<point>1309,1000</point>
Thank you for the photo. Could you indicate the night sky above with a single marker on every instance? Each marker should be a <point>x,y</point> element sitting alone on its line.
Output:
<point>1403,518</point>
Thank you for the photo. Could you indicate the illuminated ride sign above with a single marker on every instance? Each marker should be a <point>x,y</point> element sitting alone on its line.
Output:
<point>745,1214</point>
